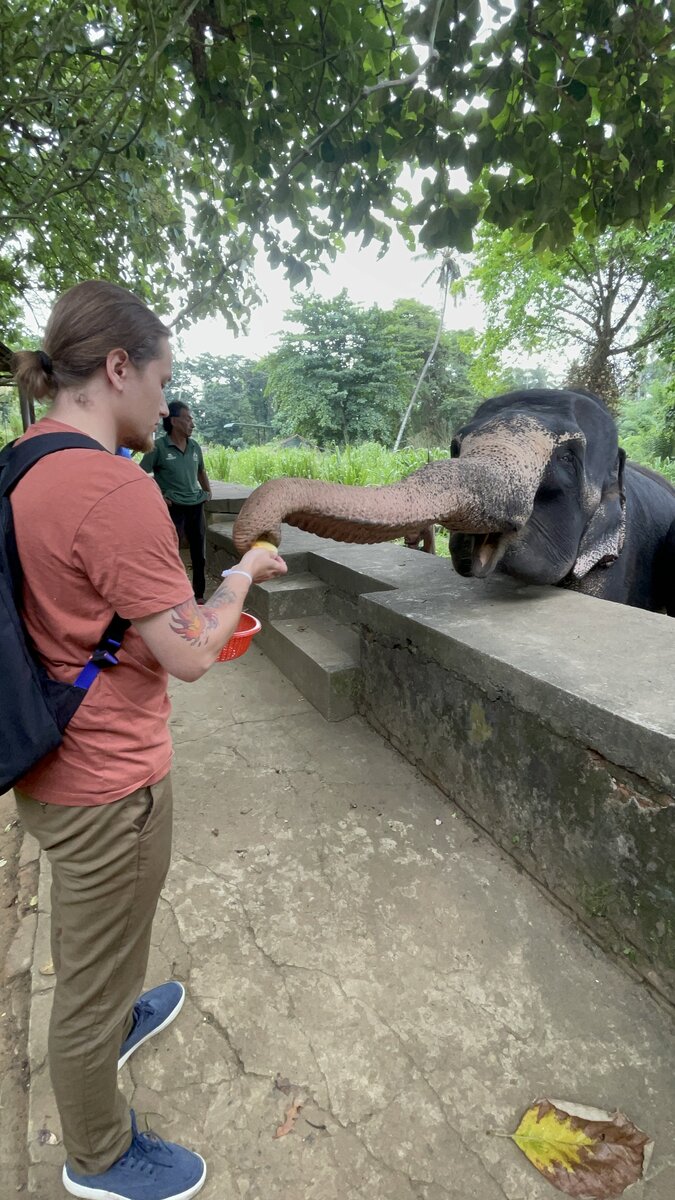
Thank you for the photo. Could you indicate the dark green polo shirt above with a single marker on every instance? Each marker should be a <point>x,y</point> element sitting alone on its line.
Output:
<point>176,470</point>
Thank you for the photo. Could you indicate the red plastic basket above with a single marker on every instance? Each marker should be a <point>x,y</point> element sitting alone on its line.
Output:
<point>241,638</point>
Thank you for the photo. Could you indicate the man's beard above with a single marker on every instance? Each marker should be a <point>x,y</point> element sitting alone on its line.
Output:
<point>139,444</point>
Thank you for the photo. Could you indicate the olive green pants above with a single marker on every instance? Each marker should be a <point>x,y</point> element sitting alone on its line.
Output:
<point>108,867</point>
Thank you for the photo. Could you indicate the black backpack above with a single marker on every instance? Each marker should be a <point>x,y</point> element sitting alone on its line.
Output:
<point>35,709</point>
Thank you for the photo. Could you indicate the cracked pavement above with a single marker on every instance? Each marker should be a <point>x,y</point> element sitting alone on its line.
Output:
<point>350,942</point>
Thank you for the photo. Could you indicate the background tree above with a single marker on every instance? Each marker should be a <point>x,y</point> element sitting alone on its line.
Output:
<point>606,302</point>
<point>349,374</point>
<point>446,396</point>
<point>159,143</point>
<point>226,395</point>
<point>647,419</point>
<point>513,379</point>
<point>336,381</point>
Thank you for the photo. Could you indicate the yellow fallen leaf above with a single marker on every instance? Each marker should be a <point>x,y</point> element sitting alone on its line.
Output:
<point>586,1152</point>
<point>48,968</point>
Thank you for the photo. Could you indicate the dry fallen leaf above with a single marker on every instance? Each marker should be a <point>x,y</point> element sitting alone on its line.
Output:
<point>586,1152</point>
<point>45,1137</point>
<point>291,1118</point>
<point>48,968</point>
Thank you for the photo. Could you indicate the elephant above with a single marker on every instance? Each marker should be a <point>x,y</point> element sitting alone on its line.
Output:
<point>666,570</point>
<point>536,487</point>
<point>422,539</point>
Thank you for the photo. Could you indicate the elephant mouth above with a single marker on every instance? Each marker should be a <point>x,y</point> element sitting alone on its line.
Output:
<point>477,555</point>
<point>486,553</point>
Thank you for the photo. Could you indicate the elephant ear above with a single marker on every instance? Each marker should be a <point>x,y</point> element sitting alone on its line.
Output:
<point>603,537</point>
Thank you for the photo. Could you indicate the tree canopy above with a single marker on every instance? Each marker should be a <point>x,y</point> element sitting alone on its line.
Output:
<point>606,301</point>
<point>446,396</point>
<point>160,142</point>
<point>647,420</point>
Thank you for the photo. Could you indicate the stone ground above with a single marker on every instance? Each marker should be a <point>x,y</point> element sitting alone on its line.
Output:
<point>18,887</point>
<point>351,943</point>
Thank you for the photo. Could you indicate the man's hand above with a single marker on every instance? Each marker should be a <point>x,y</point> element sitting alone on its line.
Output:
<point>262,565</point>
<point>187,639</point>
<point>167,502</point>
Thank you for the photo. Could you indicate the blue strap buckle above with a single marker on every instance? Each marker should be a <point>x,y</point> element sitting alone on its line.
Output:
<point>105,658</point>
<point>99,661</point>
<point>105,654</point>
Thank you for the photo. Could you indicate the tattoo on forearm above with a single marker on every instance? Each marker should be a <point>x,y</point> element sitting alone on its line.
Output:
<point>223,595</point>
<point>194,623</point>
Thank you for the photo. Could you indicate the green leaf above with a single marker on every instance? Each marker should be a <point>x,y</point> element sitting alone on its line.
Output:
<point>115,139</point>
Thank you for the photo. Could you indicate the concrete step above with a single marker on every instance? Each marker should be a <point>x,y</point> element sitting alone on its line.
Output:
<point>299,595</point>
<point>321,657</point>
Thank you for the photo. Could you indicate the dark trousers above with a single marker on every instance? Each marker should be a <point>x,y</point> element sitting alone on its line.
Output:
<point>189,520</point>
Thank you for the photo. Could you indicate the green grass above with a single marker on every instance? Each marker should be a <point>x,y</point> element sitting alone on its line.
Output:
<point>368,463</point>
<point>663,466</point>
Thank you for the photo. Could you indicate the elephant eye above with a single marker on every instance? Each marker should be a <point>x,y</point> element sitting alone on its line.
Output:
<point>568,456</point>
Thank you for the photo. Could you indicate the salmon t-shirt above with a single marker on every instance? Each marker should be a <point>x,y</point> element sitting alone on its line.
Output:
<point>94,538</point>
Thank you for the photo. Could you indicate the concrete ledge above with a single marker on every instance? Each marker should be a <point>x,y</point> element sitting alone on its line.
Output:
<point>296,545</point>
<point>227,497</point>
<point>599,672</point>
<point>549,718</point>
<point>385,567</point>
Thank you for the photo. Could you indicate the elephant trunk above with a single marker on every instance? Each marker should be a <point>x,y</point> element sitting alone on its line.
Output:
<point>490,488</point>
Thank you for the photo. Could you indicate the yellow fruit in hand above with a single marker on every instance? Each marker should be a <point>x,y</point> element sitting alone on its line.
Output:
<point>261,545</point>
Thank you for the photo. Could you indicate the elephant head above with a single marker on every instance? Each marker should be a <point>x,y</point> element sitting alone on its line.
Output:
<point>533,486</point>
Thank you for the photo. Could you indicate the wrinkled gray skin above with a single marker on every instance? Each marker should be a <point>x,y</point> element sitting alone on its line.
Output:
<point>536,487</point>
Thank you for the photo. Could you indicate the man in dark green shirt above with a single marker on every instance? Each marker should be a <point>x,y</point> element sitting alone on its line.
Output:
<point>178,467</point>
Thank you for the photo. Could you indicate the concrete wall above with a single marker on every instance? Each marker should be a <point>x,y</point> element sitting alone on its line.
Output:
<point>547,716</point>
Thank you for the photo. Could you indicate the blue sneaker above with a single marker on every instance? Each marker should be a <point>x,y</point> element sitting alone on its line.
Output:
<point>153,1011</point>
<point>150,1170</point>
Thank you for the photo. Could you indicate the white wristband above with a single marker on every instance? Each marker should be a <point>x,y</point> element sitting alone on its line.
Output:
<point>237,571</point>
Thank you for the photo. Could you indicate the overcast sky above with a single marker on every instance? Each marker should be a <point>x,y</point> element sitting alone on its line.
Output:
<point>368,280</point>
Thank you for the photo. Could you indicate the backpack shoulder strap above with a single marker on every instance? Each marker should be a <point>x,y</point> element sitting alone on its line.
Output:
<point>15,460</point>
<point>105,654</point>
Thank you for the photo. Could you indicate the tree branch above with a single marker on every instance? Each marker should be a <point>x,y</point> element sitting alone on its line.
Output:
<point>404,81</point>
<point>584,270</point>
<point>579,295</point>
<point>577,316</point>
<point>645,340</point>
<point>631,308</point>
